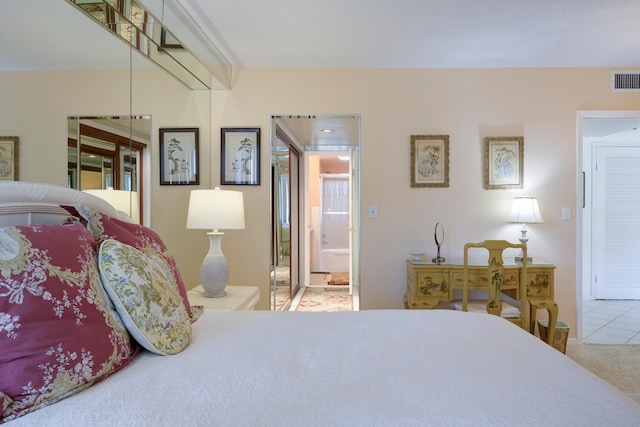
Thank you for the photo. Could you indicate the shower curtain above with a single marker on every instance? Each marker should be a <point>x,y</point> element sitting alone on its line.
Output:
<point>335,211</point>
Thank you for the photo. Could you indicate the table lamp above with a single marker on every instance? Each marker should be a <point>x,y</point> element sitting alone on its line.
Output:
<point>122,200</point>
<point>524,210</point>
<point>215,209</point>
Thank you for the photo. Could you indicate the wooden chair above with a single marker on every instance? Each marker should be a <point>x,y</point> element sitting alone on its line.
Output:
<point>495,301</point>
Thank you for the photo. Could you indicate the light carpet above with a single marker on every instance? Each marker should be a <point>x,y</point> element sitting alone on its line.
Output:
<point>325,299</point>
<point>617,364</point>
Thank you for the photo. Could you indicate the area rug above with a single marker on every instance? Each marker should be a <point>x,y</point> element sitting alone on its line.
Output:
<point>329,279</point>
<point>339,279</point>
<point>618,364</point>
<point>325,299</point>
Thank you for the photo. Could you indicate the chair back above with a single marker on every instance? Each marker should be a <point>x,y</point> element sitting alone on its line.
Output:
<point>495,275</point>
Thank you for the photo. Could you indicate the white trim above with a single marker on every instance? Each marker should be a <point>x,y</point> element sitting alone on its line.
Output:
<point>581,115</point>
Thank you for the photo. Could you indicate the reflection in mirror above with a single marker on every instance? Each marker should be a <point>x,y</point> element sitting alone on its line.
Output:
<point>107,153</point>
<point>201,66</point>
<point>281,229</point>
<point>285,221</point>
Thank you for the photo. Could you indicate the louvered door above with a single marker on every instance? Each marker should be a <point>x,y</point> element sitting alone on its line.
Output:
<point>616,222</point>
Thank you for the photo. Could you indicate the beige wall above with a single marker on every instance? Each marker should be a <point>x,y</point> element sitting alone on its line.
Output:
<point>468,105</point>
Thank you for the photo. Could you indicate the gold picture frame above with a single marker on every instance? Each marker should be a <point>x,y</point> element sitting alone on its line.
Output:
<point>503,162</point>
<point>429,160</point>
<point>9,161</point>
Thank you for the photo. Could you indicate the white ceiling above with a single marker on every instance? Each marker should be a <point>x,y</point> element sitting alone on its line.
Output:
<point>48,34</point>
<point>424,33</point>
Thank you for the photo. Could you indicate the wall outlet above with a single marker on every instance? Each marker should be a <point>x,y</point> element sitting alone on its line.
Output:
<point>373,211</point>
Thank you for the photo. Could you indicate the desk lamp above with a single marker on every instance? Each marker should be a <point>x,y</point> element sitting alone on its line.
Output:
<point>524,210</point>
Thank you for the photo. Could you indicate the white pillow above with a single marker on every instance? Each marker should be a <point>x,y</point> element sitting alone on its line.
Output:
<point>149,305</point>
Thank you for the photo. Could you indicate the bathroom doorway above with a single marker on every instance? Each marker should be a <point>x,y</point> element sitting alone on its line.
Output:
<point>329,146</point>
<point>330,228</point>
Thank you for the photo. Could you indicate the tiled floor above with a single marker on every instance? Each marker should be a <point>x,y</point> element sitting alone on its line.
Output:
<point>611,321</point>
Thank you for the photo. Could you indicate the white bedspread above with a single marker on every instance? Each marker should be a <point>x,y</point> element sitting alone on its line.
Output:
<point>374,368</point>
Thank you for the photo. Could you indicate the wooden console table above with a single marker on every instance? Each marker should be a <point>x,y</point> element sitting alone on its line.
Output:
<point>432,285</point>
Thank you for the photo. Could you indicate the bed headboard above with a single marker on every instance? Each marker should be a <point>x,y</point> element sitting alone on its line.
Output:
<point>26,203</point>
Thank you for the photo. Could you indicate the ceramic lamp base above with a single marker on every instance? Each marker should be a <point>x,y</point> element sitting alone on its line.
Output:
<point>214,273</point>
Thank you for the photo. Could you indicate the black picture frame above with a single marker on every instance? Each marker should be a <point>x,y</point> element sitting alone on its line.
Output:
<point>179,156</point>
<point>240,156</point>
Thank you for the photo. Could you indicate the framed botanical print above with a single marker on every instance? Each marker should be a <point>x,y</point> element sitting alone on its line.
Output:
<point>240,156</point>
<point>179,161</point>
<point>9,158</point>
<point>503,162</point>
<point>429,160</point>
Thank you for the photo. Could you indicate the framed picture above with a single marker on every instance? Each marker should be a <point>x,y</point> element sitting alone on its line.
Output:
<point>9,158</point>
<point>179,161</point>
<point>503,162</point>
<point>240,156</point>
<point>429,160</point>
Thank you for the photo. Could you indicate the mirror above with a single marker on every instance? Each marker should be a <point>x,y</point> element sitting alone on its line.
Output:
<point>107,153</point>
<point>281,232</point>
<point>284,222</point>
<point>438,234</point>
<point>145,29</point>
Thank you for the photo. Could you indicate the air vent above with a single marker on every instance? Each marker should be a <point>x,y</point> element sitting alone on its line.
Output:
<point>625,81</point>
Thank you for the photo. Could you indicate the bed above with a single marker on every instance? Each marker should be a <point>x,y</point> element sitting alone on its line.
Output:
<point>263,368</point>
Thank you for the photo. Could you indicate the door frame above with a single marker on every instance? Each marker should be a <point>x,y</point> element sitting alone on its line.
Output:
<point>583,192</point>
<point>354,216</point>
<point>348,141</point>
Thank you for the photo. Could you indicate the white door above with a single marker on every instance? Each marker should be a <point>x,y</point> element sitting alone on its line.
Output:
<point>616,221</point>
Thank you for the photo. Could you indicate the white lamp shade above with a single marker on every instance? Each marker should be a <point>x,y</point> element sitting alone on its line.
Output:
<point>525,211</point>
<point>215,209</point>
<point>122,200</point>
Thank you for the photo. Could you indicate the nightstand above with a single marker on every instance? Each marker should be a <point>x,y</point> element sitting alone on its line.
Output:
<point>238,298</point>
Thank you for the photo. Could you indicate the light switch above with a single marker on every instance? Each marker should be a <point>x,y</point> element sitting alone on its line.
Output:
<point>373,211</point>
<point>566,214</point>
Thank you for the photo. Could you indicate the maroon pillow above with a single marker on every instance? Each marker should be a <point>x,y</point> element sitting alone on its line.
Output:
<point>59,332</point>
<point>144,239</point>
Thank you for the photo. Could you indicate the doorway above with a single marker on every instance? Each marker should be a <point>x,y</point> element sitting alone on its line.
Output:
<point>608,276</point>
<point>329,187</point>
<point>329,148</point>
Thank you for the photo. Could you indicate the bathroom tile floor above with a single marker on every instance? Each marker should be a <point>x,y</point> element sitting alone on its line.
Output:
<point>611,321</point>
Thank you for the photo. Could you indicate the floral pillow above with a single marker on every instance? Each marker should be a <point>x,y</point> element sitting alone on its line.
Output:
<point>140,237</point>
<point>149,305</point>
<point>59,332</point>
